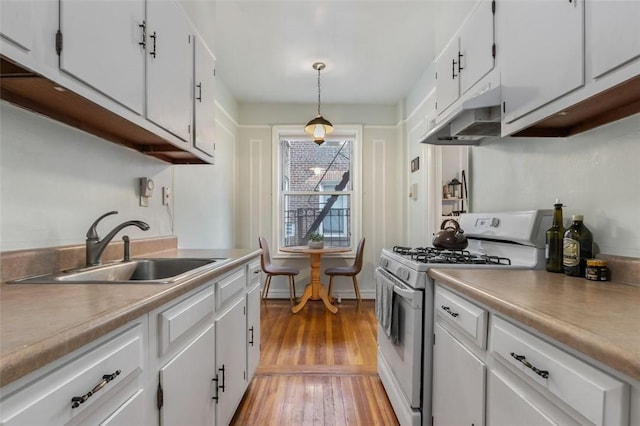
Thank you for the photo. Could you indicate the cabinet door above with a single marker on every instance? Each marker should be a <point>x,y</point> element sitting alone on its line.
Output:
<point>231,361</point>
<point>476,46</point>
<point>447,76</point>
<point>103,47</point>
<point>15,22</point>
<point>169,68</point>
<point>253,331</point>
<point>507,405</point>
<point>614,33</point>
<point>187,384</point>
<point>204,99</point>
<point>458,382</point>
<point>541,45</point>
<point>130,413</point>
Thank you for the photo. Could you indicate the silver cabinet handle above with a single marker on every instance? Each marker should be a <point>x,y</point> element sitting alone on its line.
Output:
<point>449,311</point>
<point>522,359</point>
<point>77,400</point>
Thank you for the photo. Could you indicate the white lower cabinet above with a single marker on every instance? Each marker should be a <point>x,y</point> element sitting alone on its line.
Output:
<point>508,405</point>
<point>488,370</point>
<point>184,362</point>
<point>458,382</point>
<point>231,361</point>
<point>564,382</point>
<point>459,371</point>
<point>102,383</point>
<point>254,279</point>
<point>187,384</point>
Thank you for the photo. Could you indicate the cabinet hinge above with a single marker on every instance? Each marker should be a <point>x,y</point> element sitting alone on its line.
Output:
<point>58,42</point>
<point>493,7</point>
<point>214,72</point>
<point>159,397</point>
<point>434,339</point>
<point>436,76</point>
<point>244,310</point>
<point>493,50</point>
<point>504,107</point>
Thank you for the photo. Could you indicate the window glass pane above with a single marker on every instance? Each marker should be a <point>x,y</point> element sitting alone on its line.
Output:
<point>327,214</point>
<point>308,167</point>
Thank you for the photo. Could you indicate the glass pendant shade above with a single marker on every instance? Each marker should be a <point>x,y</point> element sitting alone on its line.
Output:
<point>318,128</point>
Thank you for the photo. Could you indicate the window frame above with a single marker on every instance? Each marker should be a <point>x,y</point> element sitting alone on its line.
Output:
<point>296,132</point>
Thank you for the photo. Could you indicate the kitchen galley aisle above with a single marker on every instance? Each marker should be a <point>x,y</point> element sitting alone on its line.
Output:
<point>317,368</point>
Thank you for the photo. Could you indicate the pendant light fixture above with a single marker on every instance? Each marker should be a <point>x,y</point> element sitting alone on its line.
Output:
<point>319,127</point>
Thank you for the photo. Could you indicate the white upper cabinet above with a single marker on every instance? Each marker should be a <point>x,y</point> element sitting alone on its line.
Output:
<point>15,22</point>
<point>204,99</point>
<point>477,56</point>
<point>448,76</point>
<point>103,46</point>
<point>169,68</point>
<point>467,58</point>
<point>542,51</point>
<point>613,34</point>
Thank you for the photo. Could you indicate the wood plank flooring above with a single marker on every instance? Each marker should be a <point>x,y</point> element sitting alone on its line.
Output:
<point>316,368</point>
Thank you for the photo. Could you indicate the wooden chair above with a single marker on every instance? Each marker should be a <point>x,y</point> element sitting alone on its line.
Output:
<point>348,271</point>
<point>272,270</point>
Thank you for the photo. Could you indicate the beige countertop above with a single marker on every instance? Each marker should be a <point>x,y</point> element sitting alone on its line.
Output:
<point>598,319</point>
<point>40,323</point>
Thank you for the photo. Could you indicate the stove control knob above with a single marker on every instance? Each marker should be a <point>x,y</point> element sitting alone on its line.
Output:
<point>384,262</point>
<point>404,274</point>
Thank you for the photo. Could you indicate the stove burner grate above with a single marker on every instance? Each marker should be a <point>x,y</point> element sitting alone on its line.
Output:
<point>446,256</point>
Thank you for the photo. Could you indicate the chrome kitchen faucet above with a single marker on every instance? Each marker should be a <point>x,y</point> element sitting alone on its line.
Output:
<point>95,247</point>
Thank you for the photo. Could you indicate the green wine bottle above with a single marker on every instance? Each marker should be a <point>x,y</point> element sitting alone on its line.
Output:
<point>553,244</point>
<point>577,247</point>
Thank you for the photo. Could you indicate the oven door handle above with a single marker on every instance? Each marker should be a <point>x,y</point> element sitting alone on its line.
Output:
<point>407,294</point>
<point>414,297</point>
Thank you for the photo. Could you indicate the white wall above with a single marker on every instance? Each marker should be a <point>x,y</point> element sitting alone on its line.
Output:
<point>205,194</point>
<point>382,175</point>
<point>595,174</point>
<point>56,180</point>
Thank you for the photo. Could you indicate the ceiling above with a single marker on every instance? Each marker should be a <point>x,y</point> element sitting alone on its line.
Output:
<point>374,50</point>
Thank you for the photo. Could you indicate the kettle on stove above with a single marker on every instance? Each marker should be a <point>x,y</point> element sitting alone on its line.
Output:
<point>450,236</point>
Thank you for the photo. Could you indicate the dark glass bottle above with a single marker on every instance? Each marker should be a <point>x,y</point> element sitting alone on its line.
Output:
<point>553,244</point>
<point>577,247</point>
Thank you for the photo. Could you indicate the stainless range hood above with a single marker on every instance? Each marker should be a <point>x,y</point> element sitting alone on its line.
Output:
<point>476,118</point>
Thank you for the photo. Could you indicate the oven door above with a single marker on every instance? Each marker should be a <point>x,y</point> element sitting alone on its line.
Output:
<point>404,359</point>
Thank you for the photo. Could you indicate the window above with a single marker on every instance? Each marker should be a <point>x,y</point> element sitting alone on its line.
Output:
<point>316,188</point>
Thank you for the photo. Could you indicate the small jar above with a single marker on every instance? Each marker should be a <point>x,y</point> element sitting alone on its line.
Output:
<point>597,270</point>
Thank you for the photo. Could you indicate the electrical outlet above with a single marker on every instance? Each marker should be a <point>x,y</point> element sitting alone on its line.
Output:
<point>166,194</point>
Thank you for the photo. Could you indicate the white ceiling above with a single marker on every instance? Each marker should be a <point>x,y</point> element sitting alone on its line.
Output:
<point>375,50</point>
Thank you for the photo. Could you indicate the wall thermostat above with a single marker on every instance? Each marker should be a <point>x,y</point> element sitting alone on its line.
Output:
<point>146,187</point>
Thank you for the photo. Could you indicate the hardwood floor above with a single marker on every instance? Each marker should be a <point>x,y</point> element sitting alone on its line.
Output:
<point>316,368</point>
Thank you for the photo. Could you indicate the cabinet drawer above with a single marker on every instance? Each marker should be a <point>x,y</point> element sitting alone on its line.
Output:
<point>254,273</point>
<point>180,318</point>
<point>597,396</point>
<point>470,319</point>
<point>230,287</point>
<point>48,400</point>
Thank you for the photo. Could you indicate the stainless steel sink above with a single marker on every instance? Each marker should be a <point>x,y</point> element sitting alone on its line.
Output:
<point>156,271</point>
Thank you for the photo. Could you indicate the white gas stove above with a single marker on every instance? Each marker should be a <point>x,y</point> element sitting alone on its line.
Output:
<point>505,240</point>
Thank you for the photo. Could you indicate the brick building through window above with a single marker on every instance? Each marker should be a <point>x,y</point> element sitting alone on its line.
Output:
<point>317,190</point>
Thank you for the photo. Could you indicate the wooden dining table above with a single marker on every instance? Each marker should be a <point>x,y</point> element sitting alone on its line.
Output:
<point>315,290</point>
